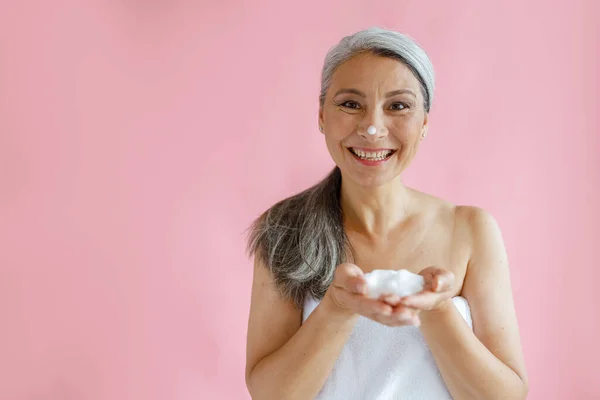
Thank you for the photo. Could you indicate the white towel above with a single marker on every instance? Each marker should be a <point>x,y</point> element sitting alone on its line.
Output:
<point>385,363</point>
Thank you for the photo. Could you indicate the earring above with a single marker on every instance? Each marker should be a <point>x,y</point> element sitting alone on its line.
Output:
<point>423,135</point>
<point>321,128</point>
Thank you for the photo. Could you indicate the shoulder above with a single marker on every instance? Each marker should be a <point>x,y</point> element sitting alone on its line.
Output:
<point>450,218</point>
<point>473,227</point>
<point>475,217</point>
<point>481,228</point>
<point>487,268</point>
<point>432,205</point>
<point>466,215</point>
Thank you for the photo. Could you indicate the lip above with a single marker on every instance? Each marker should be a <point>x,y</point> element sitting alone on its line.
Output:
<point>371,163</point>
<point>369,149</point>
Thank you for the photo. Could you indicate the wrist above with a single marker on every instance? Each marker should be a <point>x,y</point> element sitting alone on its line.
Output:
<point>440,311</point>
<point>333,310</point>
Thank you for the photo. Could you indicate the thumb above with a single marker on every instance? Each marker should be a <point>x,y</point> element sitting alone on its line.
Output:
<point>443,281</point>
<point>437,279</point>
<point>350,277</point>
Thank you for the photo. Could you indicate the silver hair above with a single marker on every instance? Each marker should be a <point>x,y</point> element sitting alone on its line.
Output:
<point>301,239</point>
<point>384,43</point>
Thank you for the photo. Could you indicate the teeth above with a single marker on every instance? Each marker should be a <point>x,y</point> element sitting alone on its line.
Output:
<point>375,156</point>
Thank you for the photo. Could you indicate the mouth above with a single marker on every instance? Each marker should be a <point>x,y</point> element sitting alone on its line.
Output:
<point>377,156</point>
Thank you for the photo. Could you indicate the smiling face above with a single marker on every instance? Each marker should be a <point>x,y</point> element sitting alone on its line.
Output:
<point>370,90</point>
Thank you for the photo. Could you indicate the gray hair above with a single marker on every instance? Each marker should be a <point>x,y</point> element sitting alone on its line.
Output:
<point>384,43</point>
<point>301,239</point>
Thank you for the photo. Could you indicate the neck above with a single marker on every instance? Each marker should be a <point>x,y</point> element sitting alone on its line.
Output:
<point>374,211</point>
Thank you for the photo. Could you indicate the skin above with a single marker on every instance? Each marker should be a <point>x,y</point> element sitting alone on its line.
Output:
<point>458,249</point>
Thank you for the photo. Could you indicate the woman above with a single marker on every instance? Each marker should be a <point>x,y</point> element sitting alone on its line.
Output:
<point>313,331</point>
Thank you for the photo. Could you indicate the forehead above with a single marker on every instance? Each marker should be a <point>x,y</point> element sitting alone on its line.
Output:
<point>368,70</point>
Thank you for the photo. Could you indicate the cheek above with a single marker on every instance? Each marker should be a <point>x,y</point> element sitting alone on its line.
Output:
<point>333,144</point>
<point>341,120</point>
<point>339,131</point>
<point>404,136</point>
<point>408,130</point>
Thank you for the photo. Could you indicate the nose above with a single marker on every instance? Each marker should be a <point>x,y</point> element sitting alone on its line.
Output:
<point>372,128</point>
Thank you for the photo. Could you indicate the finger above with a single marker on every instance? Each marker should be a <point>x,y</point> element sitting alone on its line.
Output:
<point>437,279</point>
<point>423,301</point>
<point>362,304</point>
<point>348,270</point>
<point>401,316</point>
<point>356,285</point>
<point>394,322</point>
<point>403,312</point>
<point>391,299</point>
<point>444,282</point>
<point>373,308</point>
<point>350,277</point>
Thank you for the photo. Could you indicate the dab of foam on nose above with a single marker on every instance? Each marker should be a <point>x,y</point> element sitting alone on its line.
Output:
<point>401,283</point>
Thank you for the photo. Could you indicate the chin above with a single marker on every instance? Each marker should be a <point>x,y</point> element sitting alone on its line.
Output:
<point>371,180</point>
<point>371,175</point>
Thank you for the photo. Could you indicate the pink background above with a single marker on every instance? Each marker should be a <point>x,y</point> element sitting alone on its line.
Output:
<point>139,139</point>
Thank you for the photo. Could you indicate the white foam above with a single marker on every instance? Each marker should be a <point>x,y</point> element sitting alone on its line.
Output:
<point>401,283</point>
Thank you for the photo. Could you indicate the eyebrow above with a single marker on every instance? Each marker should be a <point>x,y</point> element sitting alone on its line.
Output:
<point>389,94</point>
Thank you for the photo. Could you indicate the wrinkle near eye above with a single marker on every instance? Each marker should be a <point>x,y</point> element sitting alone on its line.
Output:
<point>348,110</point>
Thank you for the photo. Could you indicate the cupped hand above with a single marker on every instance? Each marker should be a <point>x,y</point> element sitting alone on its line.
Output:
<point>438,288</point>
<point>348,294</point>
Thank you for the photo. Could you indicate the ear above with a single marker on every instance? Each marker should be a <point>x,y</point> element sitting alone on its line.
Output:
<point>321,121</point>
<point>425,128</point>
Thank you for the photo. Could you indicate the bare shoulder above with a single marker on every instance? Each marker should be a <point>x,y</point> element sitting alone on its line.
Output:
<point>450,219</point>
<point>474,229</point>
<point>471,221</point>
<point>433,205</point>
<point>482,231</point>
<point>474,234</point>
<point>428,199</point>
<point>475,217</point>
<point>273,320</point>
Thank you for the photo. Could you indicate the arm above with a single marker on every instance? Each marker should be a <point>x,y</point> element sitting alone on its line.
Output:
<point>486,363</point>
<point>287,359</point>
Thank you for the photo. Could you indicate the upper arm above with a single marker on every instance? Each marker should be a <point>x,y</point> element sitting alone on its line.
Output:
<point>487,288</point>
<point>273,320</point>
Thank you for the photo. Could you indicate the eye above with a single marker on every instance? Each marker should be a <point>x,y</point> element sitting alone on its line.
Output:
<point>398,106</point>
<point>350,104</point>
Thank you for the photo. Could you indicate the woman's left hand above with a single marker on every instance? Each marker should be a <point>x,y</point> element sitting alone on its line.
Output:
<point>437,290</point>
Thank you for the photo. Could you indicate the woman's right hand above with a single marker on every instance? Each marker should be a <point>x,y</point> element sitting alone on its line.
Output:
<point>347,295</point>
